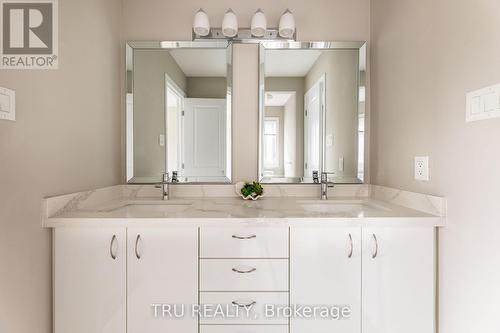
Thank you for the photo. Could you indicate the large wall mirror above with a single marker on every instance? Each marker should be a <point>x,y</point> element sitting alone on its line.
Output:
<point>178,111</point>
<point>312,111</point>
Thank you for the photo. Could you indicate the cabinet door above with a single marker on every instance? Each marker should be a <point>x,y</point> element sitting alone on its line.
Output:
<point>89,280</point>
<point>325,266</point>
<point>162,269</point>
<point>398,280</point>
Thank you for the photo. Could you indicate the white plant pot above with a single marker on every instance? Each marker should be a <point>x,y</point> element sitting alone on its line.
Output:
<point>238,186</point>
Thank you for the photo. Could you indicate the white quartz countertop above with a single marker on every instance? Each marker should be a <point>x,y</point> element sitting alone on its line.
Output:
<point>226,211</point>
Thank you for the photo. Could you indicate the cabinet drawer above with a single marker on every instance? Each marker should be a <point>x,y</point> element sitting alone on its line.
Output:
<point>256,301</point>
<point>243,329</point>
<point>244,242</point>
<point>244,275</point>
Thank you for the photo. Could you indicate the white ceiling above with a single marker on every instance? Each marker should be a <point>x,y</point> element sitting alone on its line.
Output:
<point>286,63</point>
<point>276,98</point>
<point>201,62</point>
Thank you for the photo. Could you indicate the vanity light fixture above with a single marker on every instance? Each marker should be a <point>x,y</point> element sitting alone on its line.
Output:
<point>259,24</point>
<point>258,31</point>
<point>230,24</point>
<point>201,24</point>
<point>287,24</point>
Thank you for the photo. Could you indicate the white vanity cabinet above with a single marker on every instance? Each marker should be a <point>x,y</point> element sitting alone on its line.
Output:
<point>90,280</point>
<point>162,269</point>
<point>385,274</point>
<point>325,266</point>
<point>107,280</point>
<point>398,280</point>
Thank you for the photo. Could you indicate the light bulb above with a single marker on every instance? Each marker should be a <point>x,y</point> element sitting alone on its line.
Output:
<point>230,24</point>
<point>287,24</point>
<point>201,24</point>
<point>259,24</point>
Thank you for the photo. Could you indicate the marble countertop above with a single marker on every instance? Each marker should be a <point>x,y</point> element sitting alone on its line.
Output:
<point>130,210</point>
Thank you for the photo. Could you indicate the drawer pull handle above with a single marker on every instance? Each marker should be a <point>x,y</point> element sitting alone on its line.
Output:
<point>244,271</point>
<point>374,255</point>
<point>244,237</point>
<point>243,305</point>
<point>352,247</point>
<point>112,250</point>
<point>138,238</point>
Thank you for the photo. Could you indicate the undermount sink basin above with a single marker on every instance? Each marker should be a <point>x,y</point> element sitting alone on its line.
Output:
<point>156,207</point>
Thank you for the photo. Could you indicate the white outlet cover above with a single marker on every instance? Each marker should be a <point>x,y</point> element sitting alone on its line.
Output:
<point>422,168</point>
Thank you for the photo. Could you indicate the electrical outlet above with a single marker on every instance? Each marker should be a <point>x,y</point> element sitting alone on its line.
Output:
<point>422,168</point>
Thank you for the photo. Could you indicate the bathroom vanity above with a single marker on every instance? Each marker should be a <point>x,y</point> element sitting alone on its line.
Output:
<point>118,252</point>
<point>126,260</point>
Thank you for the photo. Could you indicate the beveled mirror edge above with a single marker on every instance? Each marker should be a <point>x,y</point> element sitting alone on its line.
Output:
<point>198,44</point>
<point>361,46</point>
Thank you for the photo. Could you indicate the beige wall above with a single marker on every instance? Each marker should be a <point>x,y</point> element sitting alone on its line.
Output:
<point>206,87</point>
<point>66,139</point>
<point>150,67</point>
<point>341,69</point>
<point>426,55</point>
<point>316,20</point>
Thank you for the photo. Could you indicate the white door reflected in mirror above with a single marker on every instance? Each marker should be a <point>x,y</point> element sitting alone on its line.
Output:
<point>204,139</point>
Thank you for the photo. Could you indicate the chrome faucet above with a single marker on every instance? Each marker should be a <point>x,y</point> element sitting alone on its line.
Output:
<point>325,184</point>
<point>165,186</point>
<point>175,179</point>
<point>315,177</point>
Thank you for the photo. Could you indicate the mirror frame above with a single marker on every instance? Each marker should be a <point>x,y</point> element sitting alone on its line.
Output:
<point>131,45</point>
<point>361,46</point>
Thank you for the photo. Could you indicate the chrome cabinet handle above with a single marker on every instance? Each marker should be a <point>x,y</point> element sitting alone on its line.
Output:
<point>374,255</point>
<point>352,247</point>
<point>112,253</point>
<point>244,237</point>
<point>249,270</point>
<point>243,305</point>
<point>137,239</point>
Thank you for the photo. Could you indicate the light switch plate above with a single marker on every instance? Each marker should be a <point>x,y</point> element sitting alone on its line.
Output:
<point>161,140</point>
<point>422,168</point>
<point>483,104</point>
<point>7,104</point>
<point>329,140</point>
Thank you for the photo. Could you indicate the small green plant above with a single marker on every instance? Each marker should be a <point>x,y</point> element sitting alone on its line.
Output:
<point>253,189</point>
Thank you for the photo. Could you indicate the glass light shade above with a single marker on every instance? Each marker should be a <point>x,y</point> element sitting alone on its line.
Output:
<point>201,24</point>
<point>230,24</point>
<point>259,24</point>
<point>287,24</point>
